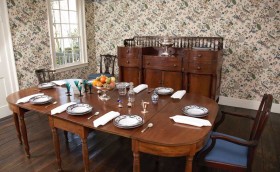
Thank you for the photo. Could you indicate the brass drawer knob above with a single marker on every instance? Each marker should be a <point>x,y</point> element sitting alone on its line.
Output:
<point>127,51</point>
<point>175,65</point>
<point>198,67</point>
<point>199,55</point>
<point>127,62</point>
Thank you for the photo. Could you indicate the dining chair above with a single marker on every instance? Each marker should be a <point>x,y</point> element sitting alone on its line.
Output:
<point>231,153</point>
<point>107,62</point>
<point>45,75</point>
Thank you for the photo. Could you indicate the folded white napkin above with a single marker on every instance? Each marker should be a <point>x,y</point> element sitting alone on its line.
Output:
<point>140,88</point>
<point>191,121</point>
<point>61,108</point>
<point>105,118</point>
<point>178,94</point>
<point>27,98</point>
<point>59,82</point>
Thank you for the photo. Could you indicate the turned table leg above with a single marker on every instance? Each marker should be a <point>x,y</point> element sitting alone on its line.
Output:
<point>189,162</point>
<point>57,148</point>
<point>17,127</point>
<point>24,133</point>
<point>85,153</point>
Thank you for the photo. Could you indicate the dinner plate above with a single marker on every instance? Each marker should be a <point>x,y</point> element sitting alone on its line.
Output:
<point>128,121</point>
<point>41,99</point>
<point>46,85</point>
<point>79,109</point>
<point>195,111</point>
<point>164,90</point>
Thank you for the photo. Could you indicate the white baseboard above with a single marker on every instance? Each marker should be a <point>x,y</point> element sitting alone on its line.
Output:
<point>247,104</point>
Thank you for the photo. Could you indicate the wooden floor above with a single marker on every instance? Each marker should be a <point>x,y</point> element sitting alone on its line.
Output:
<point>109,153</point>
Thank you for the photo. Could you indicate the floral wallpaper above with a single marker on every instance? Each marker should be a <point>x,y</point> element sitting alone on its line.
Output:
<point>250,29</point>
<point>30,37</point>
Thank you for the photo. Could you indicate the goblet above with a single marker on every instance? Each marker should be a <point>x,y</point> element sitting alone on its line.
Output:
<point>166,42</point>
<point>104,96</point>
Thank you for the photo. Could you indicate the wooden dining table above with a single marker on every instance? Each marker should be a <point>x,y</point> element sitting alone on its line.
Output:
<point>165,138</point>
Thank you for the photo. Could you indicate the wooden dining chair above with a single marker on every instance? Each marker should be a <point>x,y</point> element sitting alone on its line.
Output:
<point>232,153</point>
<point>106,66</point>
<point>45,75</point>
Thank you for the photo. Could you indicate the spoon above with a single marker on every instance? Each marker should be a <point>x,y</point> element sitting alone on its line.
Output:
<point>95,114</point>
<point>148,126</point>
<point>55,102</point>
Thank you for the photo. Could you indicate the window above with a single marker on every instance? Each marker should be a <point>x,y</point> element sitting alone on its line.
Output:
<point>67,33</point>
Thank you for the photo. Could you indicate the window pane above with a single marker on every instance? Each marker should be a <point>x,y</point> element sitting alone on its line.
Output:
<point>64,16</point>
<point>73,17</point>
<point>57,30</point>
<point>64,4</point>
<point>72,5</point>
<point>65,30</point>
<point>55,4</point>
<point>56,16</point>
<point>76,49</point>
<point>74,32</point>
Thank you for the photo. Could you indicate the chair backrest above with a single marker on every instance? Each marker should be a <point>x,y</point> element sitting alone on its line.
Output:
<point>107,61</point>
<point>45,75</point>
<point>259,124</point>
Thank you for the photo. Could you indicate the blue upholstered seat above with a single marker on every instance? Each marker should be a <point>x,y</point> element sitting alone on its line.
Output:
<point>227,152</point>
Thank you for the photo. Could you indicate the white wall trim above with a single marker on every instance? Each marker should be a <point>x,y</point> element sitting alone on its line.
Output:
<point>248,104</point>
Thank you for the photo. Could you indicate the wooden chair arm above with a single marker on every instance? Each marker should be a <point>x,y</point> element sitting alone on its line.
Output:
<point>217,124</point>
<point>238,115</point>
<point>234,140</point>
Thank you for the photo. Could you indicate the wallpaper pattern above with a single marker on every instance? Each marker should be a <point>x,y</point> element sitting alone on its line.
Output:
<point>30,37</point>
<point>250,29</point>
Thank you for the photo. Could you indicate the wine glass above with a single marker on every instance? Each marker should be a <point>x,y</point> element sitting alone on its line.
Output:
<point>103,96</point>
<point>166,42</point>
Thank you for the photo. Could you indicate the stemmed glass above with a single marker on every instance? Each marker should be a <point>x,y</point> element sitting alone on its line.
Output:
<point>79,86</point>
<point>85,83</point>
<point>90,87</point>
<point>68,87</point>
<point>104,96</point>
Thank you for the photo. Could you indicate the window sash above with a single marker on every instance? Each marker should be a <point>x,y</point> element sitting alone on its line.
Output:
<point>67,49</point>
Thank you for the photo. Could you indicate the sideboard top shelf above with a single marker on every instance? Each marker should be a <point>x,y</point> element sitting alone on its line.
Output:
<point>215,43</point>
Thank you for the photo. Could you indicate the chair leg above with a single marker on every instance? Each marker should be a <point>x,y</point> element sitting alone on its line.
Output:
<point>66,135</point>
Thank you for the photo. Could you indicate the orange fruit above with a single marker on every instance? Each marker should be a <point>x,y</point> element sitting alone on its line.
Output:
<point>99,84</point>
<point>94,82</point>
<point>103,79</point>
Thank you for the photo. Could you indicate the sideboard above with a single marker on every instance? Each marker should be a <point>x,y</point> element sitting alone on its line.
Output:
<point>194,63</point>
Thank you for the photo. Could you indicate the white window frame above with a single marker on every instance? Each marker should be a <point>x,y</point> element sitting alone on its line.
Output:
<point>82,28</point>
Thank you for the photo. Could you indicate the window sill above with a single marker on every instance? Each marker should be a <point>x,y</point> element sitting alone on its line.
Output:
<point>63,69</point>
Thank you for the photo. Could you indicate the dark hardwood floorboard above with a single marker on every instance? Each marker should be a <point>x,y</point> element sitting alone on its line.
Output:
<point>110,153</point>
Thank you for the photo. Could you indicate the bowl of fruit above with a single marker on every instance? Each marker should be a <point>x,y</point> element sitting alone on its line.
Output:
<point>104,84</point>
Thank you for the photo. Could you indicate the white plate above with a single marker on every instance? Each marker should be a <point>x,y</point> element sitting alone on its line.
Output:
<point>41,99</point>
<point>195,111</point>
<point>79,109</point>
<point>164,90</point>
<point>128,121</point>
<point>46,85</point>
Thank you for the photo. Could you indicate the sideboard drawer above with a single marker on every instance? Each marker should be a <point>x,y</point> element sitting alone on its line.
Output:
<point>201,68</point>
<point>162,63</point>
<point>128,52</point>
<point>128,62</point>
<point>203,56</point>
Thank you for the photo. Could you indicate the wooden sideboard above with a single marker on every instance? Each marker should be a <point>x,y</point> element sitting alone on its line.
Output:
<point>194,64</point>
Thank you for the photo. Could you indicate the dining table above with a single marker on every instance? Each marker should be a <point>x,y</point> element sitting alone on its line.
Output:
<point>164,138</point>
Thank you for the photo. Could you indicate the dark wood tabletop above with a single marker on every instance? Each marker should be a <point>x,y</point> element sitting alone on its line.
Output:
<point>161,139</point>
